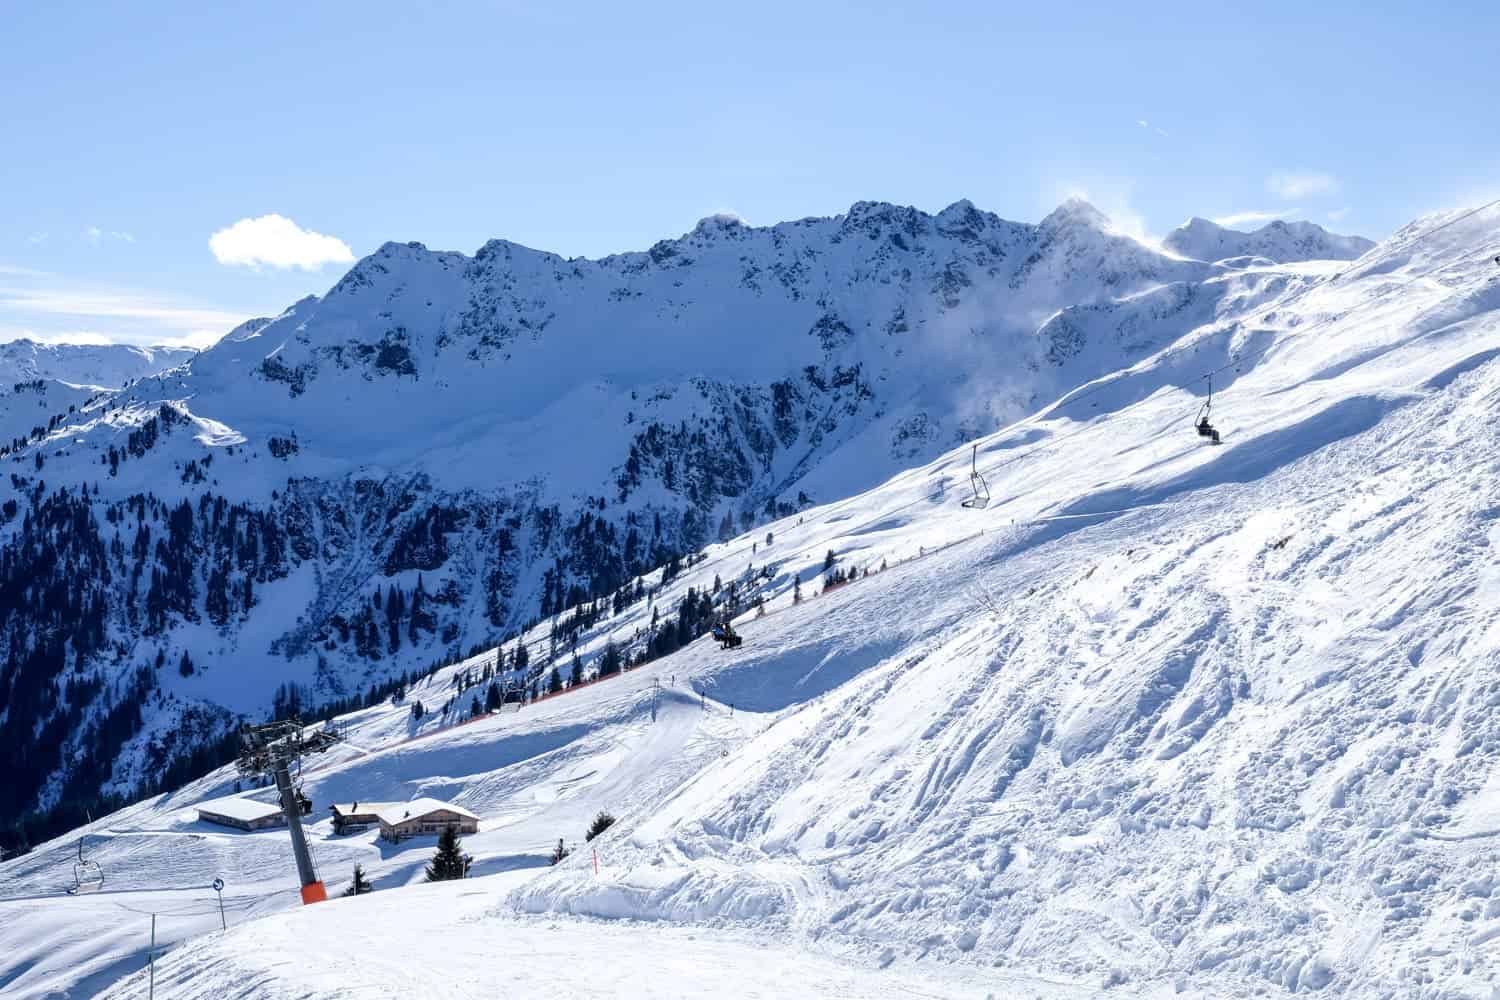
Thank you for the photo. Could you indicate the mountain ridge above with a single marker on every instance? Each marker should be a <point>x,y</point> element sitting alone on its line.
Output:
<point>444,449</point>
<point>1279,241</point>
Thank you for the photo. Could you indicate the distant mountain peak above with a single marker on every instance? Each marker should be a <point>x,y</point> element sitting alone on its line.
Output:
<point>718,222</point>
<point>1076,212</point>
<point>1279,240</point>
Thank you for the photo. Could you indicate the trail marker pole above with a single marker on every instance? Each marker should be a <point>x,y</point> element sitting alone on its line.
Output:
<point>219,888</point>
<point>596,861</point>
<point>151,957</point>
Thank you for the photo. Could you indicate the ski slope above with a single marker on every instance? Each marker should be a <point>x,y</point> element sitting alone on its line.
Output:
<point>1164,718</point>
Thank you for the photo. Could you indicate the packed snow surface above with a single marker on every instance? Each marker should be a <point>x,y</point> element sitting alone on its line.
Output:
<point>1163,718</point>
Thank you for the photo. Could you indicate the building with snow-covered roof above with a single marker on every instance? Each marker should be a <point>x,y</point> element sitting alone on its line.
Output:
<point>244,814</point>
<point>422,816</point>
<point>351,817</point>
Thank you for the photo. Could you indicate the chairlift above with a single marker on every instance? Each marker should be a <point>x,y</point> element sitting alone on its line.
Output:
<point>981,489</point>
<point>1206,429</point>
<point>87,875</point>
<point>725,635</point>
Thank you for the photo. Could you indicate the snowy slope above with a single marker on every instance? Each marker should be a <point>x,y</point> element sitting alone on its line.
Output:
<point>443,449</point>
<point>38,381</point>
<point>1163,717</point>
<point>1283,242</point>
<point>102,365</point>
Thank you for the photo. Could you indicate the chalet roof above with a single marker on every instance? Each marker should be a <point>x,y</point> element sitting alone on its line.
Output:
<point>399,812</point>
<point>244,810</point>
<point>361,808</point>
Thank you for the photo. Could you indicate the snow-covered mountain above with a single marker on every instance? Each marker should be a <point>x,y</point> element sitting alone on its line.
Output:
<point>1283,242</point>
<point>40,381</point>
<point>1163,719</point>
<point>107,366</point>
<point>445,448</point>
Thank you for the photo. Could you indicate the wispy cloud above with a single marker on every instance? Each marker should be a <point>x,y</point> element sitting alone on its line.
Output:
<point>1300,183</point>
<point>278,242</point>
<point>37,239</point>
<point>51,308</point>
<point>94,235</point>
<point>1249,218</point>
<point>1154,128</point>
<point>88,337</point>
<point>1113,197</point>
<point>1337,214</point>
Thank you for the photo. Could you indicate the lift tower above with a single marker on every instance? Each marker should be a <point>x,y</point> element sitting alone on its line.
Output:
<point>272,749</point>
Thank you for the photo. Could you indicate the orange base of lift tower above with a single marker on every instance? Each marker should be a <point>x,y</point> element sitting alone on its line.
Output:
<point>313,892</point>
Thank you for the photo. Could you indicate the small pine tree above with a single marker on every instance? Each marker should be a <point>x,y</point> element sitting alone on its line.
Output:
<point>360,885</point>
<point>559,852</point>
<point>601,822</point>
<point>450,862</point>
<point>797,590</point>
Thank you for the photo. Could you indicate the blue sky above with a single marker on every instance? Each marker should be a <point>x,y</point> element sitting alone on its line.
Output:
<point>132,134</point>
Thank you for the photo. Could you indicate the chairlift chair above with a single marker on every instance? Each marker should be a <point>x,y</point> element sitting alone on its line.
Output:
<point>726,636</point>
<point>87,875</point>
<point>1206,429</point>
<point>981,489</point>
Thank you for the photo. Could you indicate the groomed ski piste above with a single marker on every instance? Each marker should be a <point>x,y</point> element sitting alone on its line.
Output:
<point>1164,718</point>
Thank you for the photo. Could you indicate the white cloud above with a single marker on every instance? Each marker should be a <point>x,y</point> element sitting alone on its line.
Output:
<point>1154,128</point>
<point>1337,214</point>
<point>95,235</point>
<point>276,241</point>
<point>1301,183</point>
<point>1249,218</point>
<point>37,239</point>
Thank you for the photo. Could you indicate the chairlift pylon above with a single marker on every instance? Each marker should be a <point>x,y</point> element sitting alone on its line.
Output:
<point>981,489</point>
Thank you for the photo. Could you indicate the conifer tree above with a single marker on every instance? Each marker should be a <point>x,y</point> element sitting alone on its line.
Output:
<point>449,862</point>
<point>601,822</point>
<point>360,885</point>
